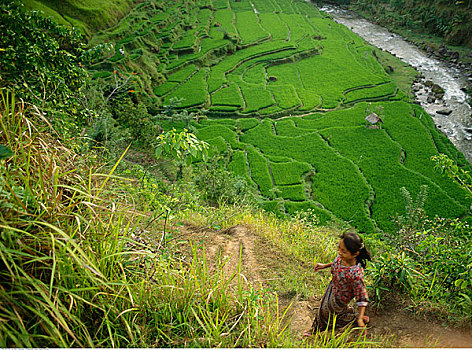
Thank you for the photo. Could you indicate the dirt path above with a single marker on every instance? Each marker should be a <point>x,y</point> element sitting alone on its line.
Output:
<point>402,329</point>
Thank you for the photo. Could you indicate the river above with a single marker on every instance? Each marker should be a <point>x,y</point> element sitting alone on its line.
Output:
<point>455,115</point>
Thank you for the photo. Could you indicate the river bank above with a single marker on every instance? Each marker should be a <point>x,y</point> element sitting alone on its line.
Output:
<point>442,85</point>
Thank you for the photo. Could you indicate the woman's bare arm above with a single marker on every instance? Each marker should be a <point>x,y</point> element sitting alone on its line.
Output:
<point>320,266</point>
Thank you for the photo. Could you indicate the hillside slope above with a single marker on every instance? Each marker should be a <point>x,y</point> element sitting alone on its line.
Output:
<point>267,267</point>
<point>288,90</point>
<point>87,15</point>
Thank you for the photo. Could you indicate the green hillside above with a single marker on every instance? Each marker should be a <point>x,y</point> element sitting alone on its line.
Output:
<point>130,221</point>
<point>251,60</point>
<point>86,15</point>
<point>259,59</point>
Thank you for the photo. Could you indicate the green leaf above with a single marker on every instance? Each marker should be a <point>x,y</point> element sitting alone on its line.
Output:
<point>5,152</point>
<point>158,152</point>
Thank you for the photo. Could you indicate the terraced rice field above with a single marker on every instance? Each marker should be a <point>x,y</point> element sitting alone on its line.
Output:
<point>287,91</point>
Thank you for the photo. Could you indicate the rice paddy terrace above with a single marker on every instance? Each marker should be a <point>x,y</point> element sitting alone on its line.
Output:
<point>287,91</point>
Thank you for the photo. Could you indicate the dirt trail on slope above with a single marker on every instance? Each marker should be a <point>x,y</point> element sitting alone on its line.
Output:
<point>403,329</point>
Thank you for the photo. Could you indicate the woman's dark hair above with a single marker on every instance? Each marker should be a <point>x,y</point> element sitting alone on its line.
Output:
<point>354,244</point>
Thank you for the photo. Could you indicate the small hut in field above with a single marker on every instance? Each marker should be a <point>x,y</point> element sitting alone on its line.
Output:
<point>374,120</point>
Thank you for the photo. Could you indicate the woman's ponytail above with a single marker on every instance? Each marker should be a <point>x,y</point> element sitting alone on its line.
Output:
<point>354,244</point>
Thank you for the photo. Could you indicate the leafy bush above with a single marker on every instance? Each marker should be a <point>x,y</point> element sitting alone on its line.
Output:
<point>219,187</point>
<point>40,60</point>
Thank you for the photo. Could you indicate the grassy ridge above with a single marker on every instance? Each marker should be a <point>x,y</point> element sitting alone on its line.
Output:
<point>87,15</point>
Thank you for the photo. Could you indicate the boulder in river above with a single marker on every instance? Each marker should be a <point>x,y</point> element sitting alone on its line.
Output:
<point>444,111</point>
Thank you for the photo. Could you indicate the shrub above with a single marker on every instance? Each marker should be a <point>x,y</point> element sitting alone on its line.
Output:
<point>40,60</point>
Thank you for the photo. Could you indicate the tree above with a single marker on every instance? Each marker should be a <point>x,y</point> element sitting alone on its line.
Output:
<point>182,147</point>
<point>39,59</point>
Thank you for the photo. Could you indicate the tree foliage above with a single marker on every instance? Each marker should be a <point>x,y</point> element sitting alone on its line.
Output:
<point>39,59</point>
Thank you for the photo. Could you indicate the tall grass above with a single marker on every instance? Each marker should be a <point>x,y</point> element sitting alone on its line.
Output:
<point>71,275</point>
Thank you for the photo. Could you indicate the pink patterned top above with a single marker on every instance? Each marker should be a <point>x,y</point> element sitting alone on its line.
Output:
<point>348,283</point>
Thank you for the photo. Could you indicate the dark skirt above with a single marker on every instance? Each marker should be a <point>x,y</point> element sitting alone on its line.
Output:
<point>332,310</point>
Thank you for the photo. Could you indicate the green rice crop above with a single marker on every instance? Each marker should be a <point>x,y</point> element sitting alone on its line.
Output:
<point>256,99</point>
<point>165,88</point>
<point>285,96</point>
<point>182,74</point>
<point>228,96</point>
<point>192,91</point>
<point>271,110</point>
<point>286,7</point>
<point>259,170</point>
<point>255,74</point>
<point>418,146</point>
<point>228,122</point>
<point>249,29</point>
<point>378,157</point>
<point>442,143</point>
<point>247,123</point>
<point>289,173</point>
<point>278,159</point>
<point>272,23</point>
<point>306,9</point>
<point>291,192</point>
<point>242,5</point>
<point>186,42</point>
<point>219,143</point>
<point>371,93</point>
<point>334,174</point>
<point>239,165</point>
<point>203,20</point>
<point>213,131</point>
<point>225,19</point>
<point>264,6</point>
<point>295,207</point>
<point>298,26</point>
<point>220,4</point>
<point>224,109</point>
<point>273,207</point>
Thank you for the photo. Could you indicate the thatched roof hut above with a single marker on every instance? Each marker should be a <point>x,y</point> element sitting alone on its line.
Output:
<point>373,118</point>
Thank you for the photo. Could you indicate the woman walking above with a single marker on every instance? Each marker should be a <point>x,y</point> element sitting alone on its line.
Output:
<point>347,283</point>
